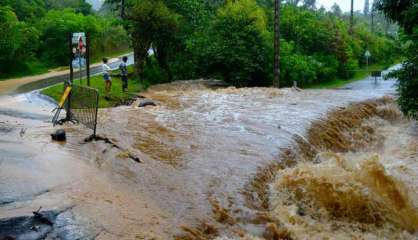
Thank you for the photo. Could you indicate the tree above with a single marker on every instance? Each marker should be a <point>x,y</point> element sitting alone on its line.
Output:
<point>18,41</point>
<point>311,4</point>
<point>406,14</point>
<point>150,22</point>
<point>366,8</point>
<point>236,49</point>
<point>26,10</point>
<point>293,2</point>
<point>55,28</point>
<point>336,10</point>
<point>79,6</point>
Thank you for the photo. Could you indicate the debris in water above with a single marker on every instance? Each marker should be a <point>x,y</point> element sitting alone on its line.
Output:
<point>124,152</point>
<point>145,103</point>
<point>59,135</point>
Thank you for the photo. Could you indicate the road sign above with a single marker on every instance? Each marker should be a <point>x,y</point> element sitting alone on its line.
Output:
<point>77,37</point>
<point>367,54</point>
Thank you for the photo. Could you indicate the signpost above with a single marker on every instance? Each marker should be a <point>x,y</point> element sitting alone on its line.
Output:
<point>80,55</point>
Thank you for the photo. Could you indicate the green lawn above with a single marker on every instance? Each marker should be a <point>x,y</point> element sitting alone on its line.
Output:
<point>359,75</point>
<point>116,95</point>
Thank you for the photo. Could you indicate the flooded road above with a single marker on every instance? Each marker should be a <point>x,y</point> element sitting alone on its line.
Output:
<point>199,148</point>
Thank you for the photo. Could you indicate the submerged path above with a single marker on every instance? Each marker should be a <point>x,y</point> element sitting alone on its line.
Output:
<point>196,145</point>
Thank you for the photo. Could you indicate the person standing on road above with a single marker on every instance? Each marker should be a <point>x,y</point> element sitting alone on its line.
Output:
<point>123,67</point>
<point>106,76</point>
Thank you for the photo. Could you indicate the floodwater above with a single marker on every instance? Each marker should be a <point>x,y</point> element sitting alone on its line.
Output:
<point>199,148</point>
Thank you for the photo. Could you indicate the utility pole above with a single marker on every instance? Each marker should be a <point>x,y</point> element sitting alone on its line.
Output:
<point>276,81</point>
<point>352,17</point>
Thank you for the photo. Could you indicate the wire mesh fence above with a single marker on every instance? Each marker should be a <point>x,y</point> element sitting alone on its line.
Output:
<point>83,106</point>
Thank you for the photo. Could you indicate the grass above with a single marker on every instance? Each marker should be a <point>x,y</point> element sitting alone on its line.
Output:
<point>359,75</point>
<point>116,95</point>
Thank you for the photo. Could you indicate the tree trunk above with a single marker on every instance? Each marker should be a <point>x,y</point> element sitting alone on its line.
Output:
<point>162,58</point>
<point>122,9</point>
<point>372,21</point>
<point>140,55</point>
<point>276,81</point>
<point>352,17</point>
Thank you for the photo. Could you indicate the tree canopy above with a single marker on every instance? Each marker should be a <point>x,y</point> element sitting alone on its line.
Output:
<point>406,14</point>
<point>35,33</point>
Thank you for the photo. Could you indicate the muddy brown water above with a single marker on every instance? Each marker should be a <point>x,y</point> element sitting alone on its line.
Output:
<point>198,144</point>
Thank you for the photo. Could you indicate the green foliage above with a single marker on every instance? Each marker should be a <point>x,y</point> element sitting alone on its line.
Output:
<point>151,22</point>
<point>238,44</point>
<point>35,34</point>
<point>408,88</point>
<point>406,14</point>
<point>17,42</point>
<point>79,6</point>
<point>26,9</point>
<point>226,39</point>
<point>55,28</point>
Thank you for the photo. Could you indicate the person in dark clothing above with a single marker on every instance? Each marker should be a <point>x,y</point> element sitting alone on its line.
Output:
<point>123,67</point>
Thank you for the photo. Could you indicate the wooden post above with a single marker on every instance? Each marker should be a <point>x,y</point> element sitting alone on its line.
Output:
<point>276,81</point>
<point>88,58</point>
<point>70,81</point>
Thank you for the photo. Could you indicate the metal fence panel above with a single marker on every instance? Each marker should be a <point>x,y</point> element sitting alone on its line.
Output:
<point>84,106</point>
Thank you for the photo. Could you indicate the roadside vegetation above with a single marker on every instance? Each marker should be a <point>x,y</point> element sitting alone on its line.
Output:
<point>34,34</point>
<point>233,41</point>
<point>221,39</point>
<point>406,14</point>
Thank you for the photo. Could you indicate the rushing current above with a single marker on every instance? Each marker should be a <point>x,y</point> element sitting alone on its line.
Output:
<point>200,148</point>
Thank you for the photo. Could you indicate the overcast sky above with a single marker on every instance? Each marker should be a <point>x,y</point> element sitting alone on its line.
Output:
<point>344,4</point>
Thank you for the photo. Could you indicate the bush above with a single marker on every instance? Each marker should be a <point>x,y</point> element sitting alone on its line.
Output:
<point>238,46</point>
<point>18,41</point>
<point>408,88</point>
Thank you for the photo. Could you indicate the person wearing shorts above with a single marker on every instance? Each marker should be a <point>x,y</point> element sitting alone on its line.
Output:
<point>123,67</point>
<point>106,76</point>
